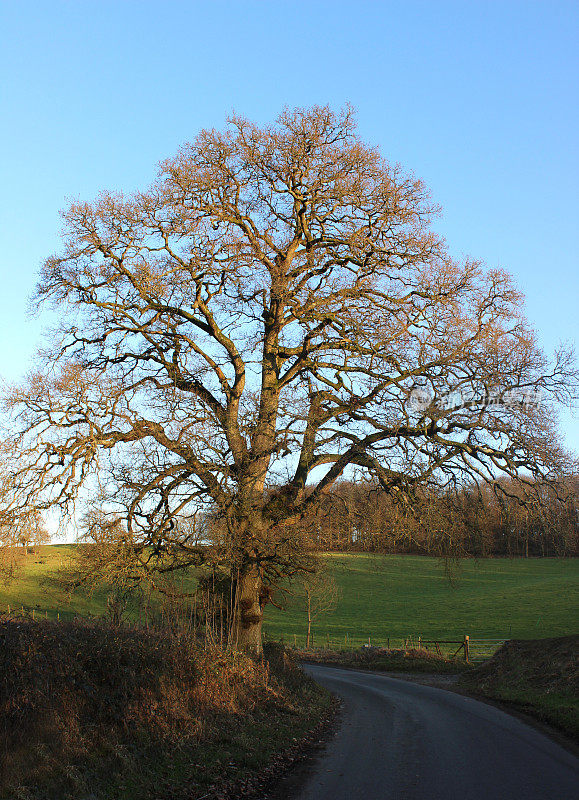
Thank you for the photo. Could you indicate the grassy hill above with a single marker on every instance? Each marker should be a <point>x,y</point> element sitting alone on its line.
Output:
<point>401,596</point>
<point>31,590</point>
<point>540,677</point>
<point>382,596</point>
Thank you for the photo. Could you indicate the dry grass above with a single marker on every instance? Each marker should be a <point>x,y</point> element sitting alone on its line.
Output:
<point>387,660</point>
<point>92,711</point>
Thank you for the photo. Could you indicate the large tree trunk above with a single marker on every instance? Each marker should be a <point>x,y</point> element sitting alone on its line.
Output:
<point>248,614</point>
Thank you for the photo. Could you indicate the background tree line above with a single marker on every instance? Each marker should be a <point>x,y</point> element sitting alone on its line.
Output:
<point>479,520</point>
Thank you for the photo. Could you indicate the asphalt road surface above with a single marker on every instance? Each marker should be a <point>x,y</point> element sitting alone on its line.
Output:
<point>403,741</point>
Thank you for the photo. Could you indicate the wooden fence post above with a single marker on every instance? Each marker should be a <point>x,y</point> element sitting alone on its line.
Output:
<point>466,647</point>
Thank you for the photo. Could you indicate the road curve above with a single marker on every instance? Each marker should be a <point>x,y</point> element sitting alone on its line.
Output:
<point>404,741</point>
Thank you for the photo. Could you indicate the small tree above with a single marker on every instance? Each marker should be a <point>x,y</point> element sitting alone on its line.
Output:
<point>315,593</point>
<point>273,312</point>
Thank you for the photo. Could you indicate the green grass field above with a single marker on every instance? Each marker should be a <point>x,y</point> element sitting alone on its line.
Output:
<point>403,596</point>
<point>30,588</point>
<point>384,596</point>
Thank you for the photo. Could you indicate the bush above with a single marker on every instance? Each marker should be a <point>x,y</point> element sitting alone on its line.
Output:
<point>83,702</point>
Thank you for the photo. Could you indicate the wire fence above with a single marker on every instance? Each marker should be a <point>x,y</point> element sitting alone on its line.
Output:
<point>466,648</point>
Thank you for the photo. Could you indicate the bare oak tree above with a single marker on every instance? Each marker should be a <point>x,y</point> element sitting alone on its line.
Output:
<point>273,312</point>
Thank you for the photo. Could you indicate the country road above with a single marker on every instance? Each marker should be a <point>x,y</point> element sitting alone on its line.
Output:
<point>404,741</point>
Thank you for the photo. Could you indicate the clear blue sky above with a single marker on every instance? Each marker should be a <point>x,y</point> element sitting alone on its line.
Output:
<point>477,98</point>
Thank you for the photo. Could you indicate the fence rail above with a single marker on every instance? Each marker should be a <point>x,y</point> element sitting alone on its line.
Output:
<point>470,649</point>
<point>483,649</point>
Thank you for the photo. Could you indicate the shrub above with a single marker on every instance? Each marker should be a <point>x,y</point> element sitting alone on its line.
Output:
<point>78,698</point>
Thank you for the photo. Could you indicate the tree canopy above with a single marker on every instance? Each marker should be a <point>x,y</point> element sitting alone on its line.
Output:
<point>274,311</point>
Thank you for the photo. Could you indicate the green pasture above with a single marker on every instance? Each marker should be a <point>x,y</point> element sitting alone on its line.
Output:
<point>410,596</point>
<point>33,588</point>
<point>380,597</point>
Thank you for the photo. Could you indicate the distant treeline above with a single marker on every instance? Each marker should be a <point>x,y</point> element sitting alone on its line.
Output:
<point>489,520</point>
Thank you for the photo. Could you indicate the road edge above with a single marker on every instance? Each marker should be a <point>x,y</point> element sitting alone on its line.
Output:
<point>442,681</point>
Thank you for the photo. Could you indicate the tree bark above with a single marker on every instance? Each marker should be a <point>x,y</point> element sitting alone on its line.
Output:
<point>248,614</point>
